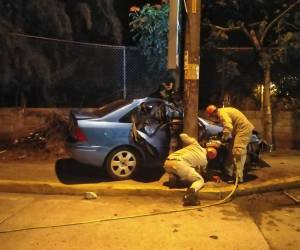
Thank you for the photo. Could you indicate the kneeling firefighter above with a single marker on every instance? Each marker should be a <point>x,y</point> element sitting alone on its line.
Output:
<point>240,128</point>
<point>188,165</point>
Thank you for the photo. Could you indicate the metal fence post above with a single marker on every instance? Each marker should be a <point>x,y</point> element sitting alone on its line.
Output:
<point>124,74</point>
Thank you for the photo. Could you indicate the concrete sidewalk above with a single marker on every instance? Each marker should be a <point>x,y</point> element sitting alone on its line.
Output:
<point>279,171</point>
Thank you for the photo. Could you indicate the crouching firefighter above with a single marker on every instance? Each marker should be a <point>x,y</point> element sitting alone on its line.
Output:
<point>188,165</point>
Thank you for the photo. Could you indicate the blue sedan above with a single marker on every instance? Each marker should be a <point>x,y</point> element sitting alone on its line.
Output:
<point>123,135</point>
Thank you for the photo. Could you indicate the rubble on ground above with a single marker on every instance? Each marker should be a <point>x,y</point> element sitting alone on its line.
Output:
<point>90,196</point>
<point>45,142</point>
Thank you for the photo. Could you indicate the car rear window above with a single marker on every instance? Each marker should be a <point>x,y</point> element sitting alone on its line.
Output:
<point>110,107</point>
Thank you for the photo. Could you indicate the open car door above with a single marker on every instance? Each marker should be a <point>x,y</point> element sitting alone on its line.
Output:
<point>150,128</point>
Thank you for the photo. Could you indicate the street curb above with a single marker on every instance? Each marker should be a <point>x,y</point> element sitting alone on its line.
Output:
<point>104,189</point>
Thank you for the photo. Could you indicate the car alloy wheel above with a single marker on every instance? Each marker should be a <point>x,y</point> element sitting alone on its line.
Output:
<point>122,163</point>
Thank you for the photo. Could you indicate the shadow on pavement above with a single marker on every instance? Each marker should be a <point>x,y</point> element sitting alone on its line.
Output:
<point>261,164</point>
<point>69,171</point>
<point>250,177</point>
<point>149,174</point>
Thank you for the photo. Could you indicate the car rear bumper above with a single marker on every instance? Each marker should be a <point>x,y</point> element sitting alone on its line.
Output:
<point>92,155</point>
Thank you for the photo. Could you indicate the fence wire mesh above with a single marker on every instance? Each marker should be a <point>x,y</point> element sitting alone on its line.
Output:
<point>39,72</point>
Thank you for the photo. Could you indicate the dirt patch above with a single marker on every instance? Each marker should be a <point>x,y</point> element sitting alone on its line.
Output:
<point>43,143</point>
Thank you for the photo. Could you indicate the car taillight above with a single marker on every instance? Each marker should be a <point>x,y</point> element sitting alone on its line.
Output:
<point>79,135</point>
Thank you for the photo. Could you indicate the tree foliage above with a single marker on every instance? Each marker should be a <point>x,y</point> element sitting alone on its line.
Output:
<point>271,28</point>
<point>149,26</point>
<point>31,69</point>
<point>286,90</point>
<point>275,24</point>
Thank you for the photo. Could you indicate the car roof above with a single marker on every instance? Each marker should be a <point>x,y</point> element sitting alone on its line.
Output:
<point>117,109</point>
<point>110,107</point>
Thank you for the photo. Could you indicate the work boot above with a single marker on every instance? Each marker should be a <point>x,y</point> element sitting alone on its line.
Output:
<point>229,179</point>
<point>190,198</point>
<point>173,181</point>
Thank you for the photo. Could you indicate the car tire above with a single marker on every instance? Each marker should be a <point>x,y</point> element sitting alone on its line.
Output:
<point>122,163</point>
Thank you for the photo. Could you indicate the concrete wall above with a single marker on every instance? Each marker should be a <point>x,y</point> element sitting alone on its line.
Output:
<point>17,122</point>
<point>286,124</point>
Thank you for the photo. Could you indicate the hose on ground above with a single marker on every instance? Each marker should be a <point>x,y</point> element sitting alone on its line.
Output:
<point>226,199</point>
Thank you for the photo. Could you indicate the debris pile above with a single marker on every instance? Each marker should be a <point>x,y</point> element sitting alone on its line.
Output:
<point>34,140</point>
<point>44,142</point>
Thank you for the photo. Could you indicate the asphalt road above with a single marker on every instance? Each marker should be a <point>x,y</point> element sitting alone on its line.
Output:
<point>264,221</point>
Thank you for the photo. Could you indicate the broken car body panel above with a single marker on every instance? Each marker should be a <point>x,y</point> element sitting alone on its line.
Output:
<point>106,131</point>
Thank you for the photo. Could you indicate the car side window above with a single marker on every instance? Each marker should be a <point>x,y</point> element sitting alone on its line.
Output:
<point>146,113</point>
<point>149,116</point>
<point>127,118</point>
<point>155,111</point>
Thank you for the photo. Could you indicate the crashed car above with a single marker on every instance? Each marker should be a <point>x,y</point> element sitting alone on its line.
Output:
<point>210,135</point>
<point>125,135</point>
<point>122,136</point>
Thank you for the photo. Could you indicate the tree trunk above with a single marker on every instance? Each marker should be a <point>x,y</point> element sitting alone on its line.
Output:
<point>267,110</point>
<point>191,67</point>
<point>266,61</point>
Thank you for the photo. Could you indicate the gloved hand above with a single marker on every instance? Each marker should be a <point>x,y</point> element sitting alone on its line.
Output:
<point>237,153</point>
<point>225,137</point>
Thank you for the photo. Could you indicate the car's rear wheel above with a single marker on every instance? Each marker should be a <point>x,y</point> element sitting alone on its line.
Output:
<point>122,163</point>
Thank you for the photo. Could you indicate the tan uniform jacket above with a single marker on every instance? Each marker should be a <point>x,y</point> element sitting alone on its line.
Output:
<point>236,123</point>
<point>193,153</point>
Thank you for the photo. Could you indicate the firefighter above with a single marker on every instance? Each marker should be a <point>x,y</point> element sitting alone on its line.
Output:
<point>240,129</point>
<point>188,165</point>
<point>166,90</point>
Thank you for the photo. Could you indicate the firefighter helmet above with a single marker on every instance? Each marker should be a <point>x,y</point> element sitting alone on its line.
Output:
<point>211,153</point>
<point>211,109</point>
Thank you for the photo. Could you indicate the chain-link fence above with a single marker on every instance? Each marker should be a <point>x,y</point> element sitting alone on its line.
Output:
<point>41,72</point>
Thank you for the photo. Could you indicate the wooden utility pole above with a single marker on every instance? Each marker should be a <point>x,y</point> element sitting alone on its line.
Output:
<point>192,66</point>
